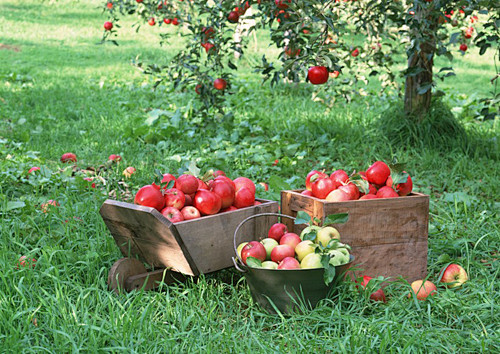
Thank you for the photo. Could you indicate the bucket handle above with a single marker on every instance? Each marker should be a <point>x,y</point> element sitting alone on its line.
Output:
<point>238,262</point>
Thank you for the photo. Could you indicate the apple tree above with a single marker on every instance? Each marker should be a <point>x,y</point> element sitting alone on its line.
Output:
<point>356,41</point>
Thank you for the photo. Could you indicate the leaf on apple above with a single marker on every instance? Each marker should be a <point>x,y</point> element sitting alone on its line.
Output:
<point>302,218</point>
<point>329,269</point>
<point>340,218</point>
<point>363,186</point>
<point>399,177</point>
<point>253,262</point>
<point>311,236</point>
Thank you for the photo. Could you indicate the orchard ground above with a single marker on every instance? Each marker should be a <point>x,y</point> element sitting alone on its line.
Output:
<point>60,92</point>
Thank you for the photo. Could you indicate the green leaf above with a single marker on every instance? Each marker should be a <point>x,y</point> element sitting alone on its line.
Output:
<point>302,218</point>
<point>340,218</point>
<point>329,269</point>
<point>399,177</point>
<point>15,205</point>
<point>310,236</point>
<point>253,262</point>
<point>193,169</point>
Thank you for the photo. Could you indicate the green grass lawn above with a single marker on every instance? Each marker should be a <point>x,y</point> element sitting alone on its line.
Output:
<point>61,92</point>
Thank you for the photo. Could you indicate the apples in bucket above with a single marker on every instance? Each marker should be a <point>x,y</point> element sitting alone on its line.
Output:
<point>316,247</point>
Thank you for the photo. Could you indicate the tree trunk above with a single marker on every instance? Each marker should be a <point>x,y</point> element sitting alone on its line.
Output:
<point>418,85</point>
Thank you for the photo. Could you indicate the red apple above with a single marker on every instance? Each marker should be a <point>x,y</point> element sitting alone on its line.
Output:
<point>463,47</point>
<point>174,198</point>
<point>224,178</point>
<point>280,252</point>
<point>68,157</point>
<point>351,190</point>
<point>188,184</point>
<point>337,195</point>
<point>355,52</point>
<point>307,192</point>
<point>243,198</point>
<point>378,295</point>
<point>233,17</point>
<point>114,158</point>
<point>129,171</point>
<point>207,202</point>
<point>454,276</point>
<point>190,212</point>
<point>202,184</point>
<point>167,177</point>
<point>291,239</point>
<point>241,182</point>
<point>253,249</point>
<point>24,261</point>
<point>339,177</point>
<point>220,84</point>
<point>322,187</point>
<point>387,192</point>
<point>318,75</point>
<point>150,196</point>
<point>189,199</point>
<point>422,290</point>
<point>264,185</point>
<point>172,214</point>
<point>257,202</point>
<point>311,174</point>
<point>218,173</point>
<point>368,196</point>
<point>231,208</point>
<point>225,191</point>
<point>277,231</point>
<point>289,263</point>
<point>403,189</point>
<point>33,169</point>
<point>378,173</point>
<point>108,26</point>
<point>48,204</point>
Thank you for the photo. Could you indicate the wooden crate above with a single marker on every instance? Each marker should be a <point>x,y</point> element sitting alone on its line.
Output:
<point>190,247</point>
<point>388,236</point>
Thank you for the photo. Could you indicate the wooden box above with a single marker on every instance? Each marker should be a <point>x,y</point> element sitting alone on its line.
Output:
<point>388,236</point>
<point>190,247</point>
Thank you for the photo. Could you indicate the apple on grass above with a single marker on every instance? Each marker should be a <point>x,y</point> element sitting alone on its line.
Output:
<point>326,234</point>
<point>378,295</point>
<point>304,248</point>
<point>453,276</point>
<point>269,244</point>
<point>422,289</point>
<point>25,262</point>
<point>190,212</point>
<point>129,171</point>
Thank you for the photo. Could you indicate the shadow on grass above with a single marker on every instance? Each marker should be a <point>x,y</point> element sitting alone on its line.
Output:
<point>439,130</point>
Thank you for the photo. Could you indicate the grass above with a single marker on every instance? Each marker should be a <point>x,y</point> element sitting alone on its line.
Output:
<point>61,92</point>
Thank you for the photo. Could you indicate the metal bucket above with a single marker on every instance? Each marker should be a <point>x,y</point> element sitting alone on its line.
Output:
<point>287,290</point>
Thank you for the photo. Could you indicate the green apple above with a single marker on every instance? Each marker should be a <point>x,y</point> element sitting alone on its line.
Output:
<point>312,260</point>
<point>269,244</point>
<point>326,234</point>
<point>344,251</point>
<point>308,230</point>
<point>338,258</point>
<point>240,247</point>
<point>270,265</point>
<point>304,248</point>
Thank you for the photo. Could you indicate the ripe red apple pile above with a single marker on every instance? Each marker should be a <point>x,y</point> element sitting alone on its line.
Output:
<point>287,250</point>
<point>376,182</point>
<point>188,197</point>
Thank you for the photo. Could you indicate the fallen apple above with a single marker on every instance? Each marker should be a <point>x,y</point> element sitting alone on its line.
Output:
<point>422,290</point>
<point>454,276</point>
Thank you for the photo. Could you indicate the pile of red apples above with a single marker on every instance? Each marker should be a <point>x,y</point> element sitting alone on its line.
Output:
<point>188,197</point>
<point>376,182</point>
